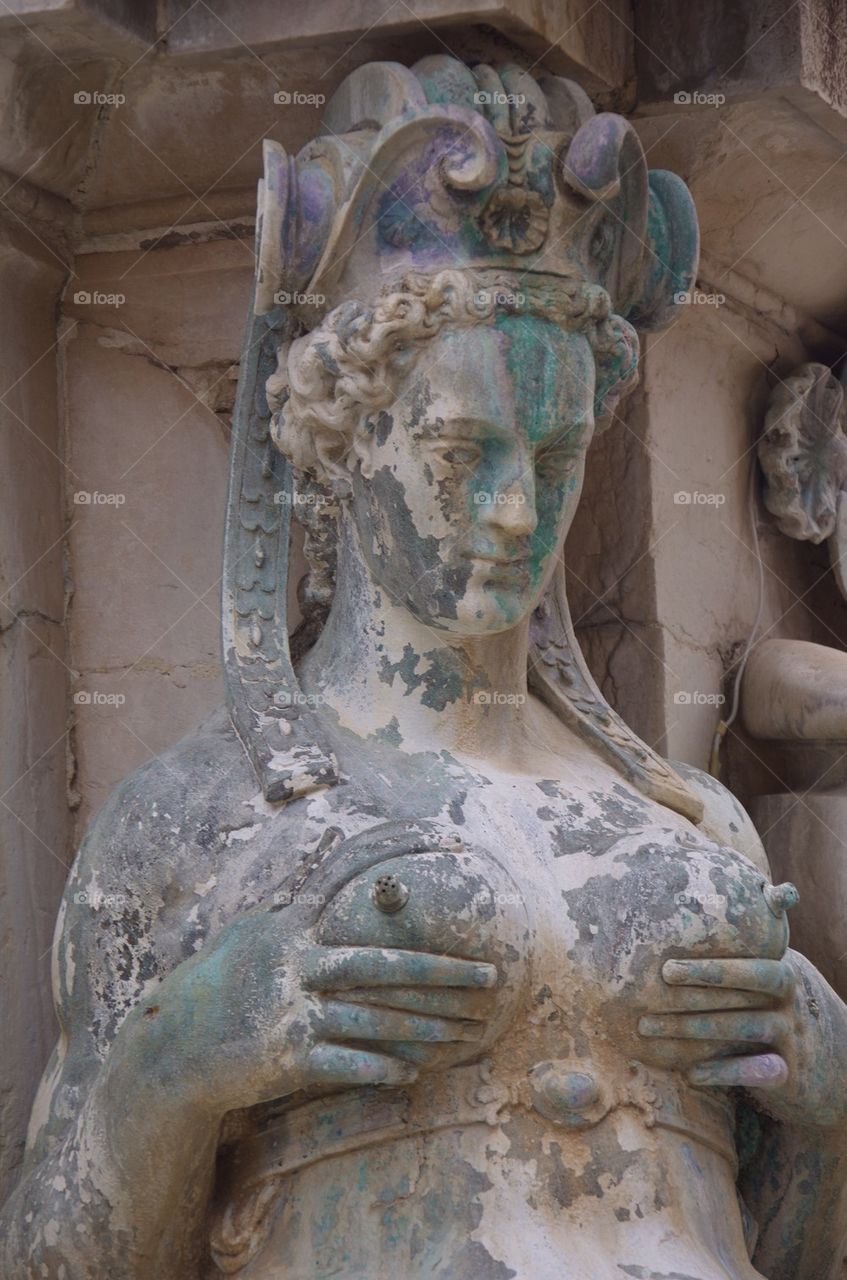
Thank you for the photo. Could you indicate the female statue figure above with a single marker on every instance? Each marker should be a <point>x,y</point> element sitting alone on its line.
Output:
<point>426,965</point>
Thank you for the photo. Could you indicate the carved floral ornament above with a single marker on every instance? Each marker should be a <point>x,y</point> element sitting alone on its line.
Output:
<point>803,454</point>
<point>437,196</point>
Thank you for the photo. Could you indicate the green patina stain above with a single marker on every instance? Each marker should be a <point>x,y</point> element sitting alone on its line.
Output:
<point>443,681</point>
<point>553,376</point>
<point>390,733</point>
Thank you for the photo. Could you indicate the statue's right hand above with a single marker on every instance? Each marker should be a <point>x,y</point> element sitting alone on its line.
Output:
<point>264,1010</point>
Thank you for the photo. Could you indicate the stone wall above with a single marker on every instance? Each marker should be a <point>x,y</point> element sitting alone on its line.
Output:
<point>150,371</point>
<point>149,384</point>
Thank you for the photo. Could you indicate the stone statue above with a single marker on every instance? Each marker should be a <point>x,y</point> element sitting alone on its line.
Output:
<point>795,691</point>
<point>425,965</point>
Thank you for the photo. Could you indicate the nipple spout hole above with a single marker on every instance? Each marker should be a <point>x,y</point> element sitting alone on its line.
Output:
<point>780,897</point>
<point>389,894</point>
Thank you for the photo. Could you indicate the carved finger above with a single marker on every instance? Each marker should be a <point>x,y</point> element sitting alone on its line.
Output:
<point>753,1026</point>
<point>330,968</point>
<point>770,977</point>
<point>342,1021</point>
<point>450,1003</point>
<point>701,999</point>
<point>422,1055</point>
<point>758,1071</point>
<point>338,1064</point>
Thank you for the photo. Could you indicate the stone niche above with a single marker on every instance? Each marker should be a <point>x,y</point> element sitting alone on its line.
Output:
<point>126,244</point>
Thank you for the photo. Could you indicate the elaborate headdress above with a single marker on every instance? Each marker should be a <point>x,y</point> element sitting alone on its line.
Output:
<point>417,170</point>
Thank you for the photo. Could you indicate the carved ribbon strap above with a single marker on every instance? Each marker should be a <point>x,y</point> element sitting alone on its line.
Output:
<point>270,714</point>
<point>559,674</point>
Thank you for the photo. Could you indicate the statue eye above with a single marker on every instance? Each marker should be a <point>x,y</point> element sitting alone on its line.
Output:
<point>552,463</point>
<point>465,455</point>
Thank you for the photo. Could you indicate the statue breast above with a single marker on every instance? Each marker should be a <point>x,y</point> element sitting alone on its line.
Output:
<point>449,901</point>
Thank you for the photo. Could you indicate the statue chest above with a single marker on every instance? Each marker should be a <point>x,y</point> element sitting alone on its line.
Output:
<point>578,894</point>
<point>577,906</point>
<point>506,1143</point>
<point>578,916</point>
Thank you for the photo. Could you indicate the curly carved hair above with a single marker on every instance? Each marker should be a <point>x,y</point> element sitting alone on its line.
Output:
<point>356,359</point>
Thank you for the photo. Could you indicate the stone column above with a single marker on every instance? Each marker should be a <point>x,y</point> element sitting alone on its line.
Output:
<point>33,676</point>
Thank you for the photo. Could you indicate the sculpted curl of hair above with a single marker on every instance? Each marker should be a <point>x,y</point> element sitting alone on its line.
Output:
<point>352,365</point>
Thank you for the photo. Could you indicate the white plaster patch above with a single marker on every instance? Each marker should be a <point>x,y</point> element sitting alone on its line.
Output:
<point>242,833</point>
<point>201,888</point>
<point>259,804</point>
<point>70,968</point>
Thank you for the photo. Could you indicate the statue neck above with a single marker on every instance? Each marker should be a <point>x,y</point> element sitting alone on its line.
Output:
<point>382,671</point>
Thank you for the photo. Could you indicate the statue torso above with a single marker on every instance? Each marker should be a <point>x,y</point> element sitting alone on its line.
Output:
<point>565,1147</point>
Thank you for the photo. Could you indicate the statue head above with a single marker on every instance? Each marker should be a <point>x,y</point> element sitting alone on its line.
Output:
<point>452,275</point>
<point>452,417</point>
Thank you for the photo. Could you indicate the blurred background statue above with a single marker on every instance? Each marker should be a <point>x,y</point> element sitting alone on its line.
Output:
<point>795,691</point>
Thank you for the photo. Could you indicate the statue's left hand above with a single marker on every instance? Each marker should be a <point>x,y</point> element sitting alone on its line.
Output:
<point>773,1027</point>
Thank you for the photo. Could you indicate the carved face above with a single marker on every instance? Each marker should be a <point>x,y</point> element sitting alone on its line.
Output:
<point>469,481</point>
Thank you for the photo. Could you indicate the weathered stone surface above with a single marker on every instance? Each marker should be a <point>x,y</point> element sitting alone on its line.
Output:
<point>433,966</point>
<point>795,691</point>
<point>105,103</point>
<point>611,567</point>
<point>805,842</point>
<point>144,615</point>
<point>767,180</point>
<point>663,566</point>
<point>576,37</point>
<point>127,24</point>
<point>762,46</point>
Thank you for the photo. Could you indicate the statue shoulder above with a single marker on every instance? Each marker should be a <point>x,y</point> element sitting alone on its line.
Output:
<point>171,805</point>
<point>724,817</point>
<point>145,891</point>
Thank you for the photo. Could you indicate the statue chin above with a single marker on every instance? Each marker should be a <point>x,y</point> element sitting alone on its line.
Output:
<point>487,611</point>
<point>492,598</point>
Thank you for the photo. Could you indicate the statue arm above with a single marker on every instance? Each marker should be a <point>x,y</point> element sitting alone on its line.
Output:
<point>796,1189</point>
<point>795,1185</point>
<point>121,1191</point>
<point>161,1039</point>
<point>116,1154</point>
